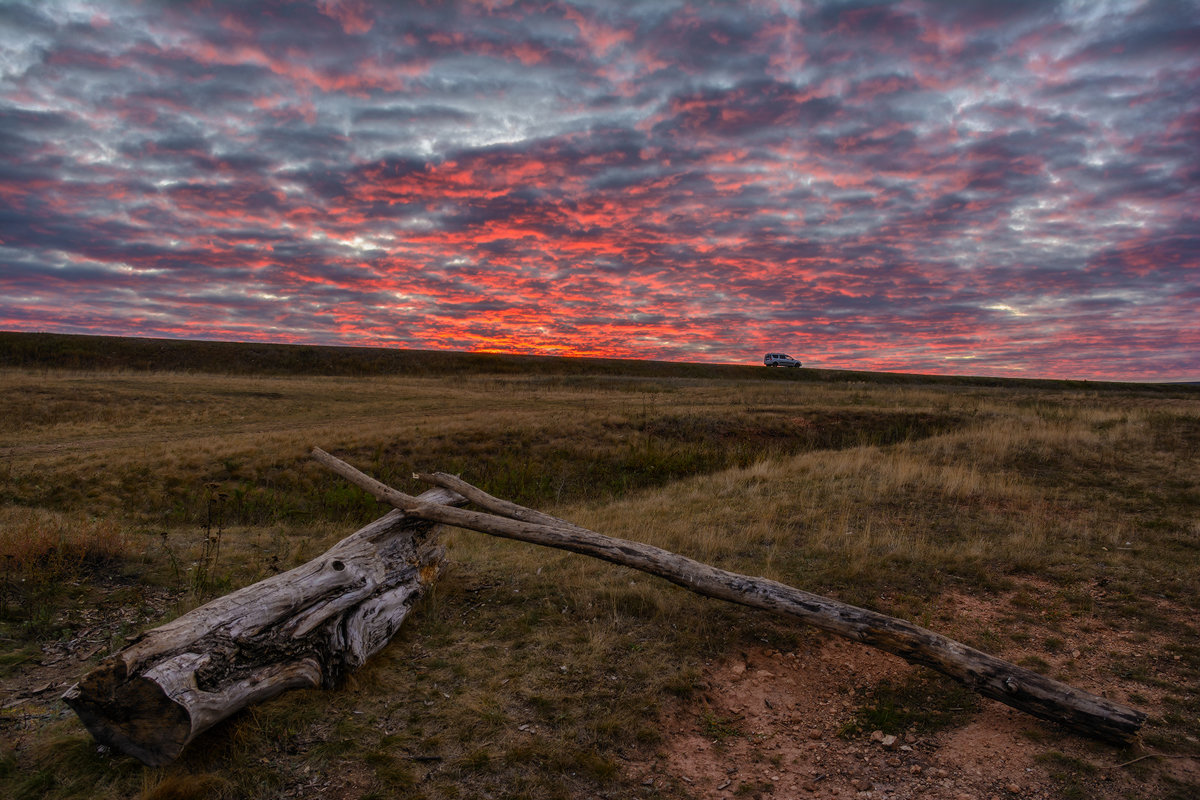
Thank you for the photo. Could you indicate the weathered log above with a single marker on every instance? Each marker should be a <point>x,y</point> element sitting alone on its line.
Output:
<point>303,628</point>
<point>991,677</point>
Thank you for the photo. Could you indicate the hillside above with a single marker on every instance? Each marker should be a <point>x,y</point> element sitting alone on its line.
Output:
<point>67,351</point>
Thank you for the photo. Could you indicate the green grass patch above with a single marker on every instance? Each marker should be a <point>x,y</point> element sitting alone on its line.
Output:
<point>922,703</point>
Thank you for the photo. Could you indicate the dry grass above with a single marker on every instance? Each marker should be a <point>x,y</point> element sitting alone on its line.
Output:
<point>532,673</point>
<point>63,546</point>
<point>43,553</point>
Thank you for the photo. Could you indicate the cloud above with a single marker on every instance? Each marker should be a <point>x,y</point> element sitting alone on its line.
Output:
<point>915,186</point>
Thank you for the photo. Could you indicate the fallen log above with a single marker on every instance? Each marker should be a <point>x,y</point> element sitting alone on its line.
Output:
<point>992,677</point>
<point>304,628</point>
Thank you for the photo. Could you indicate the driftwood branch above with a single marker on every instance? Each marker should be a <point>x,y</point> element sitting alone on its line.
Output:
<point>992,677</point>
<point>303,628</point>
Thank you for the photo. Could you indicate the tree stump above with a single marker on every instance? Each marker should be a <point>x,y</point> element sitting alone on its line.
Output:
<point>303,628</point>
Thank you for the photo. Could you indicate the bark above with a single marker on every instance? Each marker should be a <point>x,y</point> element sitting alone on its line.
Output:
<point>303,628</point>
<point>991,677</point>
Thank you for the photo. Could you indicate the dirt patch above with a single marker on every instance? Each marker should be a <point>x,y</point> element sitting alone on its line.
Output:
<point>31,696</point>
<point>772,724</point>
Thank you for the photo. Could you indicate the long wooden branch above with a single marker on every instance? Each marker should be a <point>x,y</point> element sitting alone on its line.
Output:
<point>992,677</point>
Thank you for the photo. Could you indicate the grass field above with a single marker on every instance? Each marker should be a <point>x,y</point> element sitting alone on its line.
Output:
<point>1053,524</point>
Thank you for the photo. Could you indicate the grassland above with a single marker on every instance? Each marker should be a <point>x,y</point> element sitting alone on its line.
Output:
<point>1055,524</point>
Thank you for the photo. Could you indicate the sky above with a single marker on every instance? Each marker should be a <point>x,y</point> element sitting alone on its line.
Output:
<point>1005,188</point>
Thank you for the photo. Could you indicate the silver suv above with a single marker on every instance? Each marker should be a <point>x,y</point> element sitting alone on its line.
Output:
<point>779,360</point>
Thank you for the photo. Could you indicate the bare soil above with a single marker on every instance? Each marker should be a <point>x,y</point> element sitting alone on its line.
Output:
<point>781,724</point>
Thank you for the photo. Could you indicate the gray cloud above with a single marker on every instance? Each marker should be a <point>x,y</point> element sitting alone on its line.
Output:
<point>933,186</point>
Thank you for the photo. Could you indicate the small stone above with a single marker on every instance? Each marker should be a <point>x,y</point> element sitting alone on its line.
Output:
<point>876,736</point>
<point>815,734</point>
<point>1012,787</point>
<point>915,769</point>
<point>888,741</point>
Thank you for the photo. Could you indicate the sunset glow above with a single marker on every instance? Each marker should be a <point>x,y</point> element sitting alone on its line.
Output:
<point>1007,188</point>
